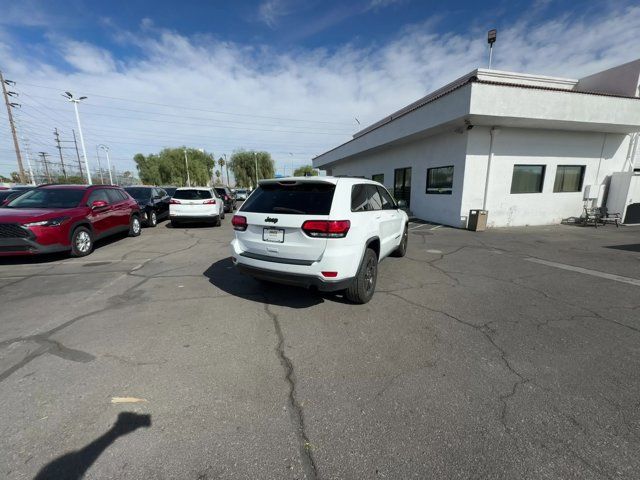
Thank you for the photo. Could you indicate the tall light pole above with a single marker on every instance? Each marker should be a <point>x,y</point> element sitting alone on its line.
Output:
<point>75,102</point>
<point>99,166</point>
<point>106,150</point>
<point>186,162</point>
<point>491,39</point>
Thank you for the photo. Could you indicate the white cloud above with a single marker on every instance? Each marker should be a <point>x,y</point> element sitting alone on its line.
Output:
<point>87,58</point>
<point>316,93</point>
<point>270,11</point>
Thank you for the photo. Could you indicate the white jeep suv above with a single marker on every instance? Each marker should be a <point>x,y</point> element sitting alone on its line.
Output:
<point>324,232</point>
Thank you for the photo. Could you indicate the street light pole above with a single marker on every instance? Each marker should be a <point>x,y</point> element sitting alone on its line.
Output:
<point>75,102</point>
<point>99,166</point>
<point>106,150</point>
<point>186,162</point>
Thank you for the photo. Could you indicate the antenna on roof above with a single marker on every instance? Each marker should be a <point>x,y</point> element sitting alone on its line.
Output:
<point>491,39</point>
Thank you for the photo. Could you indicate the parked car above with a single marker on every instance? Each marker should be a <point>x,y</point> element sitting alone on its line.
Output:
<point>227,197</point>
<point>153,201</point>
<point>328,233</point>
<point>56,218</point>
<point>196,204</point>
<point>241,194</point>
<point>170,190</point>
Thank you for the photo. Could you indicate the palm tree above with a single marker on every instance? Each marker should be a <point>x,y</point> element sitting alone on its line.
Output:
<point>221,163</point>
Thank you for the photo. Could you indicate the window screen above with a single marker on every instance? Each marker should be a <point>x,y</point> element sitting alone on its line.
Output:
<point>527,178</point>
<point>440,180</point>
<point>569,178</point>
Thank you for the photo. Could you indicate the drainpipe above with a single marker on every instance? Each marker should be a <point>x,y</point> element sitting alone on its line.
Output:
<point>492,132</point>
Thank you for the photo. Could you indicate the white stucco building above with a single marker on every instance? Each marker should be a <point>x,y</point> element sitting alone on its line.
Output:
<point>530,149</point>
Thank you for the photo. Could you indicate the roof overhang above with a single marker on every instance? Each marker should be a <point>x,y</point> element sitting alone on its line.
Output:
<point>485,101</point>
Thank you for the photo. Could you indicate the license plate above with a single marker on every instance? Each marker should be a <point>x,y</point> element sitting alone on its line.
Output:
<point>273,235</point>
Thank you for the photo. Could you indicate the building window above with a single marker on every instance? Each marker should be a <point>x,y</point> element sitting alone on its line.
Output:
<point>378,177</point>
<point>440,180</point>
<point>569,178</point>
<point>527,178</point>
<point>402,184</point>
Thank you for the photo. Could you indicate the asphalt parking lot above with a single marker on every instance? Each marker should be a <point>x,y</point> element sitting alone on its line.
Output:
<point>511,353</point>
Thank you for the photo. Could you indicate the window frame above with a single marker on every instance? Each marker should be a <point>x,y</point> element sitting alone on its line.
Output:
<point>583,169</point>
<point>543,176</point>
<point>444,190</point>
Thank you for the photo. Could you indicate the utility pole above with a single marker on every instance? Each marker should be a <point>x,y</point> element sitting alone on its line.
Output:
<point>186,162</point>
<point>255,157</point>
<point>75,102</point>
<point>12,125</point>
<point>64,171</point>
<point>46,165</point>
<point>77,153</point>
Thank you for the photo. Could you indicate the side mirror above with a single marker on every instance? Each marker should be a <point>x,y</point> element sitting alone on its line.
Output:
<point>402,204</point>
<point>98,204</point>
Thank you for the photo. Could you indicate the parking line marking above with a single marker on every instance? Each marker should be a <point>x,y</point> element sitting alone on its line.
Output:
<point>437,226</point>
<point>419,226</point>
<point>586,271</point>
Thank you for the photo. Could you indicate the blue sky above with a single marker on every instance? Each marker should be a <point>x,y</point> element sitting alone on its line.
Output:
<point>286,76</point>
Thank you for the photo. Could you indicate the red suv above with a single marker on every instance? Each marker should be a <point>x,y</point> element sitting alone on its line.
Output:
<point>56,218</point>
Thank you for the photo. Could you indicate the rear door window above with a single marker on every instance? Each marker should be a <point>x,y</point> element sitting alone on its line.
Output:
<point>387,200</point>
<point>296,198</point>
<point>114,195</point>
<point>359,198</point>
<point>192,194</point>
<point>375,200</point>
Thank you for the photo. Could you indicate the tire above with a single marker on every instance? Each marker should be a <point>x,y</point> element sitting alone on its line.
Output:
<point>152,219</point>
<point>364,284</point>
<point>217,222</point>
<point>222,216</point>
<point>81,242</point>
<point>401,251</point>
<point>135,228</point>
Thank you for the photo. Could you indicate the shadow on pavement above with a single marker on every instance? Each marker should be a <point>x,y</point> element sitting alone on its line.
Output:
<point>633,247</point>
<point>73,465</point>
<point>223,275</point>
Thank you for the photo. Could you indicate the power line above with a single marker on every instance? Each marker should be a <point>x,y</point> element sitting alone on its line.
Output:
<point>197,109</point>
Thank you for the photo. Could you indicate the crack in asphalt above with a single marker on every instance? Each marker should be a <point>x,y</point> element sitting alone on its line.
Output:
<point>485,331</point>
<point>296,412</point>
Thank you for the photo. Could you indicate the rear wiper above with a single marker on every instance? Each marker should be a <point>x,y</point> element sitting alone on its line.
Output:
<point>288,210</point>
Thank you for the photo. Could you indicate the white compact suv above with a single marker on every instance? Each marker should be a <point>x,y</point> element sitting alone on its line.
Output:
<point>196,204</point>
<point>324,232</point>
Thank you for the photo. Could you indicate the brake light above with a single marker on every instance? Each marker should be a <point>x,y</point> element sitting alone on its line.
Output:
<point>326,228</point>
<point>239,223</point>
<point>174,202</point>
<point>209,202</point>
<point>329,274</point>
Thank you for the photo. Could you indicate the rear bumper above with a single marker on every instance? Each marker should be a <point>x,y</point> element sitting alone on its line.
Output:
<point>194,218</point>
<point>293,279</point>
<point>10,247</point>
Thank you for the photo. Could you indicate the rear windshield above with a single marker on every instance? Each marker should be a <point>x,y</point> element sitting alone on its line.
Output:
<point>192,194</point>
<point>297,199</point>
<point>48,198</point>
<point>139,193</point>
<point>221,191</point>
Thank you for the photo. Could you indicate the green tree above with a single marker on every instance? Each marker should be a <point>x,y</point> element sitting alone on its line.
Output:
<point>243,166</point>
<point>305,171</point>
<point>222,163</point>
<point>168,167</point>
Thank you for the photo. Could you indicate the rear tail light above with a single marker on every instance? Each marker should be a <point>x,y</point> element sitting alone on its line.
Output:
<point>239,223</point>
<point>329,274</point>
<point>209,202</point>
<point>326,228</point>
<point>174,202</point>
